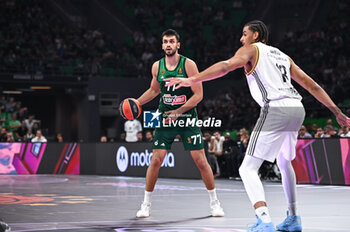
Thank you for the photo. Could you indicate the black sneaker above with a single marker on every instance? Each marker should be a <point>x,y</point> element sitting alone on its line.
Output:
<point>4,227</point>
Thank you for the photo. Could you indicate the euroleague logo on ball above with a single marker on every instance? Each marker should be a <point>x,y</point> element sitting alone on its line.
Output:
<point>122,159</point>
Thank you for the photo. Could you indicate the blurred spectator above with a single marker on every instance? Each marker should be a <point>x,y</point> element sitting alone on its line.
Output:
<point>207,149</point>
<point>149,136</point>
<point>103,139</point>
<point>3,135</point>
<point>59,138</point>
<point>230,151</point>
<point>218,142</point>
<point>329,122</point>
<point>2,103</point>
<point>132,127</point>
<point>329,132</point>
<point>139,136</point>
<point>242,144</point>
<point>28,137</point>
<point>303,134</point>
<point>216,148</point>
<point>10,105</point>
<point>243,141</point>
<point>319,133</point>
<point>177,138</point>
<point>10,138</point>
<point>30,122</point>
<point>39,137</point>
<point>22,114</point>
<point>2,119</point>
<point>313,130</point>
<point>344,131</point>
<point>17,107</point>
<point>35,127</point>
<point>237,4</point>
<point>206,142</point>
<point>18,138</point>
<point>22,130</point>
<point>122,137</point>
<point>14,124</point>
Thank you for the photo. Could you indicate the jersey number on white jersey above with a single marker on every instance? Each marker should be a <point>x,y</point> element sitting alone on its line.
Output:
<point>283,71</point>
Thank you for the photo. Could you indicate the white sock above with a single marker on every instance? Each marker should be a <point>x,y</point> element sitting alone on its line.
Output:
<point>263,214</point>
<point>292,208</point>
<point>148,196</point>
<point>212,194</point>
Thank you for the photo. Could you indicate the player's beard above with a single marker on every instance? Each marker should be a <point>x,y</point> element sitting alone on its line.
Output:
<point>170,54</point>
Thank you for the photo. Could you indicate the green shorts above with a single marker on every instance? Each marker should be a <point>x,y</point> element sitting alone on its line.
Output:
<point>192,138</point>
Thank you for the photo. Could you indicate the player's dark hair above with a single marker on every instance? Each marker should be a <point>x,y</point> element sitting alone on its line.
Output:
<point>171,32</point>
<point>261,28</point>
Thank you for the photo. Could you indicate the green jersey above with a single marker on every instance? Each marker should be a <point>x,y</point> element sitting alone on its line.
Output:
<point>171,98</point>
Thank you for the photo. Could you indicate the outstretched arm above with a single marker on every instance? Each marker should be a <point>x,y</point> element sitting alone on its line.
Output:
<point>154,89</point>
<point>313,88</point>
<point>241,58</point>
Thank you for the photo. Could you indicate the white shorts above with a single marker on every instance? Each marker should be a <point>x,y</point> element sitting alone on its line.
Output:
<point>276,130</point>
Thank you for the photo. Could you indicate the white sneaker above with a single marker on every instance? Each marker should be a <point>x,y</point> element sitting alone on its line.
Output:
<point>4,227</point>
<point>144,211</point>
<point>215,209</point>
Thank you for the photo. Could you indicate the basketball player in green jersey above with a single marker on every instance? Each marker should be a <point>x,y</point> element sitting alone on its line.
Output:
<point>176,104</point>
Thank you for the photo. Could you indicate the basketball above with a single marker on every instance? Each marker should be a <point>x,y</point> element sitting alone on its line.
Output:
<point>130,108</point>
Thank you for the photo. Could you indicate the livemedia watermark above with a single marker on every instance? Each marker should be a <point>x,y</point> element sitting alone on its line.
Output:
<point>154,119</point>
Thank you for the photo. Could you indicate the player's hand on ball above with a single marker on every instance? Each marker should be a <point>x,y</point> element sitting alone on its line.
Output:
<point>179,82</point>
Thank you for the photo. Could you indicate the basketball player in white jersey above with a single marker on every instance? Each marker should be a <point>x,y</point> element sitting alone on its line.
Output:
<point>269,72</point>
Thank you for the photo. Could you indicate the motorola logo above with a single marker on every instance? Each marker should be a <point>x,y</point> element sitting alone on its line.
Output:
<point>140,159</point>
<point>122,159</point>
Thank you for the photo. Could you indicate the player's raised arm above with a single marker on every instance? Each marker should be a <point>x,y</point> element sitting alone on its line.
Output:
<point>241,58</point>
<point>154,89</point>
<point>317,91</point>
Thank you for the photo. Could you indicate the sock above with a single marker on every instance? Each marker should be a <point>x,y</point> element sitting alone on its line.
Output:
<point>263,214</point>
<point>292,208</point>
<point>148,196</point>
<point>212,194</point>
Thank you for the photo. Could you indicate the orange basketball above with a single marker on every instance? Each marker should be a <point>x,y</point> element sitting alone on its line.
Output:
<point>130,109</point>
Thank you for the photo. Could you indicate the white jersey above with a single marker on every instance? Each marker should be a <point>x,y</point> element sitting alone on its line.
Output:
<point>270,79</point>
<point>131,128</point>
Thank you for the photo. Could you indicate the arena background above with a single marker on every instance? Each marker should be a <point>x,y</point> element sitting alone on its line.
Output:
<point>92,54</point>
<point>70,63</point>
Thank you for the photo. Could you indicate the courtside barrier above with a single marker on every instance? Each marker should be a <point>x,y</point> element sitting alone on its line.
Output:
<point>318,161</point>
